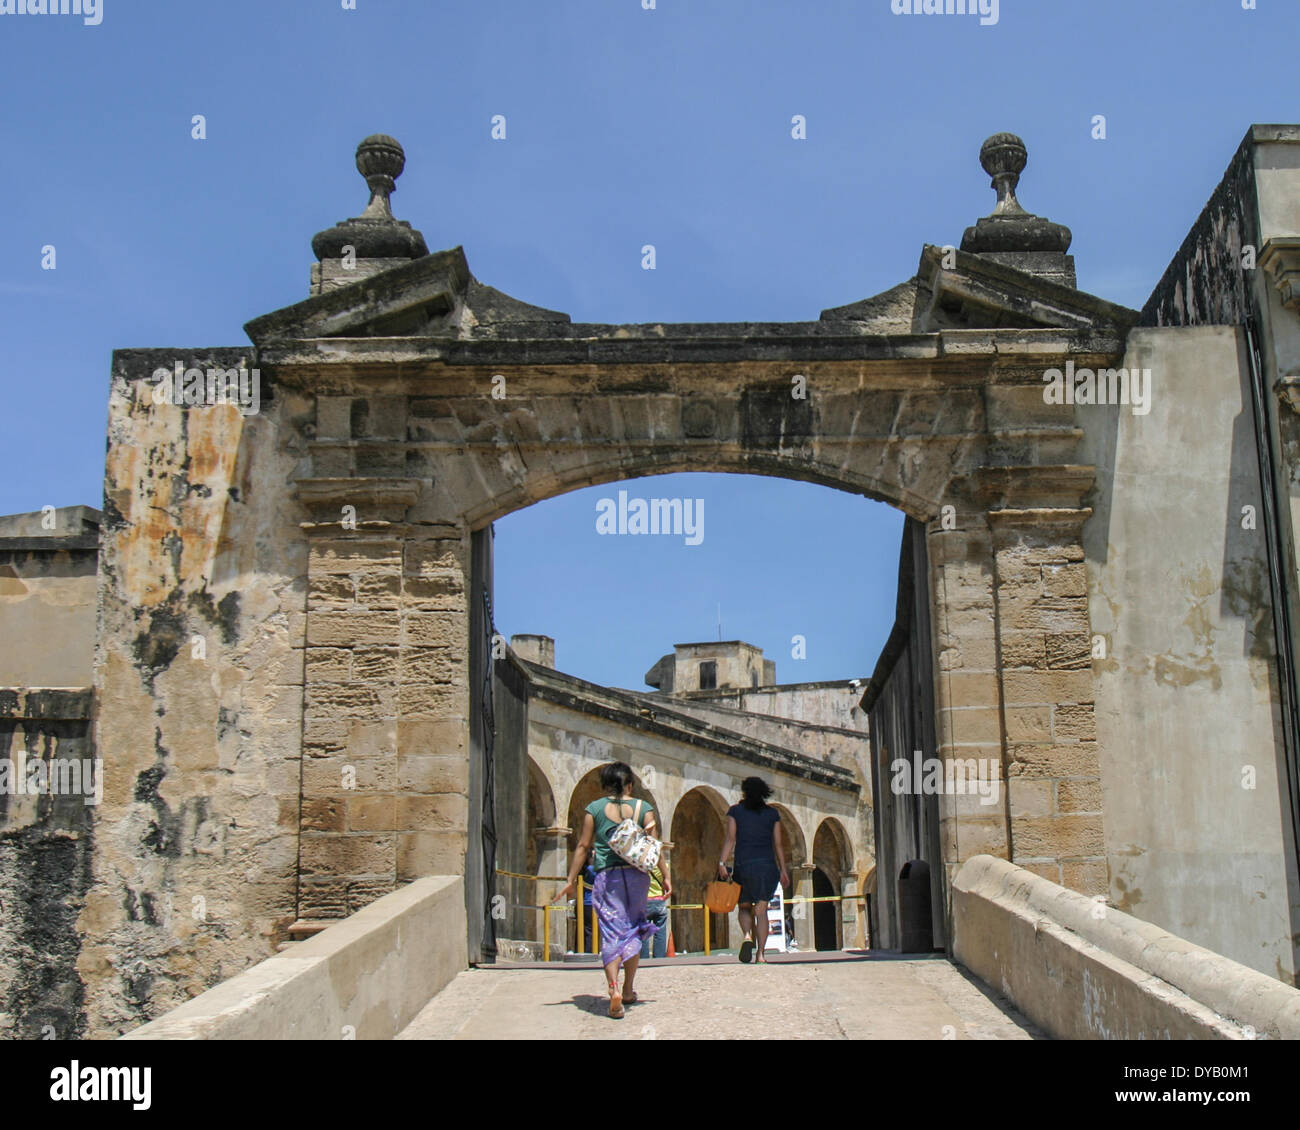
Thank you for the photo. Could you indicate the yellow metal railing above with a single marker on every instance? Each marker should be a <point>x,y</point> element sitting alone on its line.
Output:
<point>580,940</point>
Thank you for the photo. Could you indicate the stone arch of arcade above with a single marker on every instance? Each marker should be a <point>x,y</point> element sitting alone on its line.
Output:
<point>698,831</point>
<point>833,874</point>
<point>794,838</point>
<point>541,815</point>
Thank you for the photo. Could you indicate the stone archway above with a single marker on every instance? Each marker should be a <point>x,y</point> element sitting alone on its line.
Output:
<point>408,406</point>
<point>831,859</point>
<point>699,829</point>
<point>424,532</point>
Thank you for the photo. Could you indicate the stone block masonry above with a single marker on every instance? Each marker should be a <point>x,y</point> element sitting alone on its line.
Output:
<point>385,782</point>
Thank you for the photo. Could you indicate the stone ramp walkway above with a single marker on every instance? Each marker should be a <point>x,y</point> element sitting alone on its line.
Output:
<point>827,997</point>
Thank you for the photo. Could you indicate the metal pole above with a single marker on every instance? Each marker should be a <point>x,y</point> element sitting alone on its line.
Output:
<point>581,939</point>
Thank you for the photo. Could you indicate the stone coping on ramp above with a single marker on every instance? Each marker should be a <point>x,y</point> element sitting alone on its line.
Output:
<point>365,977</point>
<point>1084,970</point>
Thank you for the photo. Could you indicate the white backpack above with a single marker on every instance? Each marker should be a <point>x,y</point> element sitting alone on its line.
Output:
<point>634,845</point>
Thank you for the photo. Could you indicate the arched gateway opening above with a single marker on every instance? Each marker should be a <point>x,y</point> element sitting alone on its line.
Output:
<point>698,825</point>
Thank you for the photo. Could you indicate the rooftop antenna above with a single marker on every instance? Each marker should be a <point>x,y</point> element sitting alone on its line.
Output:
<point>719,623</point>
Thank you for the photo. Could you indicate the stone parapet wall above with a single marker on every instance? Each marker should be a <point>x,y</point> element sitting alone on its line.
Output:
<point>1082,970</point>
<point>364,978</point>
<point>47,610</point>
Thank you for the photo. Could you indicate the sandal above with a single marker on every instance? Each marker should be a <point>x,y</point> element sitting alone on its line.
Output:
<point>747,951</point>
<point>615,1003</point>
<point>630,998</point>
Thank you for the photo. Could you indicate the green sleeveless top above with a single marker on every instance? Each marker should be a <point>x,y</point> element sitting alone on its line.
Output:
<point>604,856</point>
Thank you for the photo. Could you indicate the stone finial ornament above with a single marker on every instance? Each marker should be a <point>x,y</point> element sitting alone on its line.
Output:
<point>1004,156</point>
<point>380,159</point>
<point>1009,233</point>
<point>375,234</point>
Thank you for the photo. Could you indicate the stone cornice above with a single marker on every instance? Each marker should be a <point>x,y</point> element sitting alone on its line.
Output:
<point>1287,390</point>
<point>1005,490</point>
<point>1281,259</point>
<point>427,286</point>
<point>378,500</point>
<point>1051,518</point>
<point>81,543</point>
<point>301,362</point>
<point>1002,290</point>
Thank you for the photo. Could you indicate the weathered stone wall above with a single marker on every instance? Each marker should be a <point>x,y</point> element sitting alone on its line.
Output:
<point>46,848</point>
<point>845,748</point>
<point>199,692</point>
<point>819,704</point>
<point>1204,284</point>
<point>1052,772</point>
<point>385,778</point>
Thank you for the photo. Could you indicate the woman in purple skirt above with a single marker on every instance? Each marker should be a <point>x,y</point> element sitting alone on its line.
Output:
<point>619,894</point>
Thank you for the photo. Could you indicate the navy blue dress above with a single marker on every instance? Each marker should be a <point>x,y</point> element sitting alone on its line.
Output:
<point>756,869</point>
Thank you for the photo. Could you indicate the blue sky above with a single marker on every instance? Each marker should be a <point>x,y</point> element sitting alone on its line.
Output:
<point>778,558</point>
<point>624,127</point>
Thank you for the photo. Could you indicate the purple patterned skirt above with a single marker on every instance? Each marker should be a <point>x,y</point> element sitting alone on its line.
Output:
<point>619,897</point>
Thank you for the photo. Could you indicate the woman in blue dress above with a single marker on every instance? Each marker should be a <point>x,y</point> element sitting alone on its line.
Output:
<point>754,831</point>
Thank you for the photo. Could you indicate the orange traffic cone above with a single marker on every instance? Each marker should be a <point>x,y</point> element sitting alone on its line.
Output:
<point>672,950</point>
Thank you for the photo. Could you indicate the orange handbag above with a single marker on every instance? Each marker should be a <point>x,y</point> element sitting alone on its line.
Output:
<point>721,897</point>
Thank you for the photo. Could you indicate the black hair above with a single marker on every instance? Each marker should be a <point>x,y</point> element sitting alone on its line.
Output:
<point>755,790</point>
<point>616,778</point>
